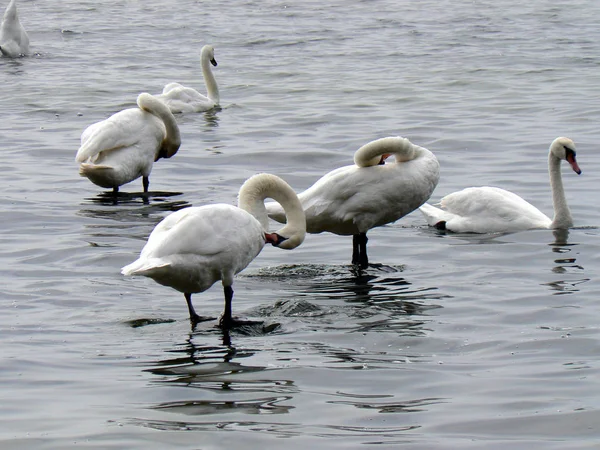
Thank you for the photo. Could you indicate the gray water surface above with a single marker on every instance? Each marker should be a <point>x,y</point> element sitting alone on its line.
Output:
<point>449,341</point>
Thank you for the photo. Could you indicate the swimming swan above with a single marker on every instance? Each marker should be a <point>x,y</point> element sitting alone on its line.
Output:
<point>353,199</point>
<point>185,99</point>
<point>124,147</point>
<point>193,248</point>
<point>14,41</point>
<point>491,209</point>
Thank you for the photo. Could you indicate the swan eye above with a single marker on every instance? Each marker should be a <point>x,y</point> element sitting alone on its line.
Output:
<point>569,150</point>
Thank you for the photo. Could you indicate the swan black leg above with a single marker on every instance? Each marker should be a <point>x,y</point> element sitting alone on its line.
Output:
<point>194,318</point>
<point>115,190</point>
<point>359,250</point>
<point>227,319</point>
<point>146,183</point>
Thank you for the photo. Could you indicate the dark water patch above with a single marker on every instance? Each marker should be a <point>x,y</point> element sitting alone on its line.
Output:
<point>137,323</point>
<point>268,405</point>
<point>407,406</point>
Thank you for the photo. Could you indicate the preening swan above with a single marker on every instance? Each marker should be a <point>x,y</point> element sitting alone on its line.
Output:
<point>491,209</point>
<point>124,147</point>
<point>194,247</point>
<point>185,99</point>
<point>353,199</point>
<point>14,41</point>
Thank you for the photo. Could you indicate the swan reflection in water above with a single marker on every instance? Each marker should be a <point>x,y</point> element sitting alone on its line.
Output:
<point>226,386</point>
<point>565,265</point>
<point>121,213</point>
<point>131,205</point>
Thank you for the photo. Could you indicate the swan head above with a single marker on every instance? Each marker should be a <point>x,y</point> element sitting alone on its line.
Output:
<point>283,242</point>
<point>564,149</point>
<point>376,152</point>
<point>251,199</point>
<point>208,53</point>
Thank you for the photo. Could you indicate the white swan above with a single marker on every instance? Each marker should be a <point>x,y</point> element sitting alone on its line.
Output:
<point>194,247</point>
<point>14,41</point>
<point>353,199</point>
<point>491,209</point>
<point>124,147</point>
<point>185,99</point>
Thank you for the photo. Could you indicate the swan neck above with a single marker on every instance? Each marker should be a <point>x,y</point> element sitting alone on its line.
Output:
<point>252,197</point>
<point>370,154</point>
<point>562,213</point>
<point>172,139</point>
<point>212,90</point>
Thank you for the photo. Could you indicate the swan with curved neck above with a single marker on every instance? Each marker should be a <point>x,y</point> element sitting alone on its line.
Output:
<point>193,248</point>
<point>124,147</point>
<point>491,209</point>
<point>180,98</point>
<point>353,199</point>
<point>14,41</point>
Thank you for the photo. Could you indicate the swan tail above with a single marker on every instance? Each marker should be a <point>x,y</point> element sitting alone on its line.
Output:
<point>145,267</point>
<point>275,211</point>
<point>86,169</point>
<point>434,216</point>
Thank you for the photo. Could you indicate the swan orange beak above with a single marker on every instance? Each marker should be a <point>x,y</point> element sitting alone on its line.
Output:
<point>383,158</point>
<point>274,239</point>
<point>573,162</point>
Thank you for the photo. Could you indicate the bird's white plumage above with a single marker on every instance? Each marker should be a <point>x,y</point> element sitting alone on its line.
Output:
<point>124,147</point>
<point>193,248</point>
<point>352,199</point>
<point>491,209</point>
<point>185,99</point>
<point>14,41</point>
<point>485,209</point>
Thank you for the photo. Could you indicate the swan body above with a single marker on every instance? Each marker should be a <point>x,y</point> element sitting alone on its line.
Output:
<point>124,147</point>
<point>184,99</point>
<point>193,248</point>
<point>14,41</point>
<point>491,209</point>
<point>353,199</point>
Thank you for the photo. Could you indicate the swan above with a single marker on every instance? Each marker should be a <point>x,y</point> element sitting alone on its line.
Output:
<point>185,99</point>
<point>490,209</point>
<point>353,199</point>
<point>123,147</point>
<point>14,41</point>
<point>193,248</point>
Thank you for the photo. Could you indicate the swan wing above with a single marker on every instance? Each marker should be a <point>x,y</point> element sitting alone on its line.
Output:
<point>185,99</point>
<point>490,209</point>
<point>352,199</point>
<point>205,231</point>
<point>129,128</point>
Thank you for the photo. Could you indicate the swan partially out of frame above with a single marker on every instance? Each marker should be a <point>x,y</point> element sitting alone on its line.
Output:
<point>124,147</point>
<point>353,199</point>
<point>14,41</point>
<point>184,99</point>
<point>193,248</point>
<point>493,210</point>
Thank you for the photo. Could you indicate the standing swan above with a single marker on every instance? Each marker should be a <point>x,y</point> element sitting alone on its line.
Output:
<point>491,209</point>
<point>14,41</point>
<point>123,147</point>
<point>353,199</point>
<point>185,99</point>
<point>193,248</point>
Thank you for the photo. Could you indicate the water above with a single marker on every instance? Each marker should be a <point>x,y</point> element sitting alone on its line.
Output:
<point>453,341</point>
